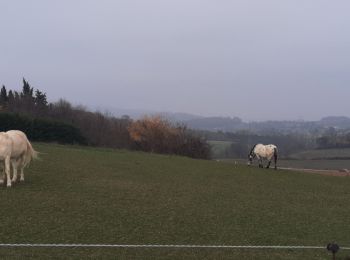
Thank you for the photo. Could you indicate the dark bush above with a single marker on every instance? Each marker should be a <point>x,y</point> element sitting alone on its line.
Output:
<point>44,130</point>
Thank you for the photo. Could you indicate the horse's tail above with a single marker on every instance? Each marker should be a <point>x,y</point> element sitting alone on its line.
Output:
<point>30,154</point>
<point>275,154</point>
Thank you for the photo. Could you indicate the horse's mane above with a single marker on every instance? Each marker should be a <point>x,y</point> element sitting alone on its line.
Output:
<point>251,151</point>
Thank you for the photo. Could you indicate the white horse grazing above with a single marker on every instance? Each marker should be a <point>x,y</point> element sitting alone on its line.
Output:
<point>261,151</point>
<point>5,155</point>
<point>21,153</point>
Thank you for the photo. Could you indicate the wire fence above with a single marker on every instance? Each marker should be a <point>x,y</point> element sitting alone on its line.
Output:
<point>168,246</point>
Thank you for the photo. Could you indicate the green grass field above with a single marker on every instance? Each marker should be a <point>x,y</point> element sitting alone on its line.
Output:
<point>85,195</point>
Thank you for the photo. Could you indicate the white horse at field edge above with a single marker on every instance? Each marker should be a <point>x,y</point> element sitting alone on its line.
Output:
<point>5,155</point>
<point>261,151</point>
<point>21,153</point>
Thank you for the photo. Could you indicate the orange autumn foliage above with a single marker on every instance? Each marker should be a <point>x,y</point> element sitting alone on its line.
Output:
<point>155,134</point>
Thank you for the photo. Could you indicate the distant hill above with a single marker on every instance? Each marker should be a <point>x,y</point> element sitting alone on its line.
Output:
<point>217,123</point>
<point>234,124</point>
<point>228,124</point>
<point>139,113</point>
<point>179,117</point>
<point>335,121</point>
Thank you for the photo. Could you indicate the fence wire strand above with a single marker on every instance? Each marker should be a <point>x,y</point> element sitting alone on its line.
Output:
<point>166,246</point>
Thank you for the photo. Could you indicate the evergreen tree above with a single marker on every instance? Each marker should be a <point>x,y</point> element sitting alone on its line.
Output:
<point>3,95</point>
<point>27,91</point>
<point>26,102</point>
<point>11,97</point>
<point>41,104</point>
<point>40,99</point>
<point>10,101</point>
<point>16,97</point>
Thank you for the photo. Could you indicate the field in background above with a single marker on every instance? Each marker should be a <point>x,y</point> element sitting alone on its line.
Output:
<point>86,195</point>
<point>316,164</point>
<point>218,148</point>
<point>324,154</point>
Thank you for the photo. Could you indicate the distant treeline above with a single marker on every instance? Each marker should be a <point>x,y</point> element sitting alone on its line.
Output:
<point>30,111</point>
<point>227,124</point>
<point>334,138</point>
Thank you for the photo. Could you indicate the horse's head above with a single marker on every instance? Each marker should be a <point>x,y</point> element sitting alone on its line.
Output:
<point>251,155</point>
<point>250,158</point>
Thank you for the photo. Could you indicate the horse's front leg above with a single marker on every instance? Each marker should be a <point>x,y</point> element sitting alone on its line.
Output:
<point>261,163</point>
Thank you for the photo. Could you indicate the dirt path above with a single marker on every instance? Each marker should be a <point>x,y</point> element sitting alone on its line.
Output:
<point>323,172</point>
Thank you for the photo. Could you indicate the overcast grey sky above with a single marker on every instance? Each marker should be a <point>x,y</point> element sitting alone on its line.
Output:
<point>256,59</point>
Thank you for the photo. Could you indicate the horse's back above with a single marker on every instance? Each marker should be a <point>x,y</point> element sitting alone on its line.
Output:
<point>17,133</point>
<point>266,151</point>
<point>259,149</point>
<point>19,145</point>
<point>22,146</point>
<point>271,146</point>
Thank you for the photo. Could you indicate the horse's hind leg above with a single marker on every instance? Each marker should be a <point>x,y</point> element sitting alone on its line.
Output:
<point>2,167</point>
<point>15,167</point>
<point>7,170</point>
<point>268,164</point>
<point>275,159</point>
<point>18,165</point>
<point>21,167</point>
<point>22,174</point>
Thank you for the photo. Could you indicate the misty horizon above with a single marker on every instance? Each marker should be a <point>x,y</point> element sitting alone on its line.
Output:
<point>139,113</point>
<point>254,60</point>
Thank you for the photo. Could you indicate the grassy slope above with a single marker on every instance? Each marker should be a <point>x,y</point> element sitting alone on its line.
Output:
<point>102,196</point>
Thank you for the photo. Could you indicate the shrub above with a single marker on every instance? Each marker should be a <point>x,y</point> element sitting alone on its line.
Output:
<point>154,134</point>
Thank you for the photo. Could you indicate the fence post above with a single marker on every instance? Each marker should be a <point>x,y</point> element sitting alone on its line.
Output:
<point>334,248</point>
